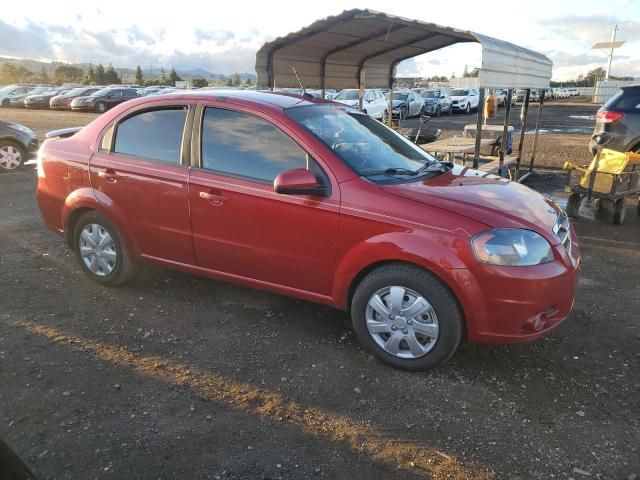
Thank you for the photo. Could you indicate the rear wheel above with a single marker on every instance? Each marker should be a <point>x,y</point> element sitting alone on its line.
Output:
<point>101,250</point>
<point>101,107</point>
<point>12,155</point>
<point>406,317</point>
<point>573,205</point>
<point>618,212</point>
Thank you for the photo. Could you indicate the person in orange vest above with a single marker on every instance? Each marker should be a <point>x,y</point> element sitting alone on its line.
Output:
<point>490,106</point>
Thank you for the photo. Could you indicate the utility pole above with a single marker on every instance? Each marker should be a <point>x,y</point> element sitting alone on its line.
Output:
<point>614,30</point>
<point>611,46</point>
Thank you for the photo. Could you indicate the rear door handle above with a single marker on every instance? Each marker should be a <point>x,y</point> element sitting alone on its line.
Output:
<point>214,199</point>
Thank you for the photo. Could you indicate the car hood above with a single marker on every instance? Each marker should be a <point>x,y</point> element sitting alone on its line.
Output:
<point>398,103</point>
<point>351,103</point>
<point>459,97</point>
<point>38,97</point>
<point>489,199</point>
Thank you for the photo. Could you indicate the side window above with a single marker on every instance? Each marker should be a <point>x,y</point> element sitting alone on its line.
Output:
<point>129,93</point>
<point>242,145</point>
<point>153,134</point>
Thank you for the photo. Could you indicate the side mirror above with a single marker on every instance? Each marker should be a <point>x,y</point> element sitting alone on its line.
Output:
<point>298,181</point>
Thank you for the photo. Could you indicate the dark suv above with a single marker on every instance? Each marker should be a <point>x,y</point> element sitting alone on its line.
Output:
<point>618,121</point>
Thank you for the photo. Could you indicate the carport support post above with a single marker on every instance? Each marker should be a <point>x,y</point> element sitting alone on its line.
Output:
<point>505,129</point>
<point>390,105</point>
<point>535,138</point>
<point>476,151</point>
<point>523,127</point>
<point>361,81</point>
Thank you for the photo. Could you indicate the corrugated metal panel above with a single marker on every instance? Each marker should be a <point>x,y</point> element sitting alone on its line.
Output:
<point>332,52</point>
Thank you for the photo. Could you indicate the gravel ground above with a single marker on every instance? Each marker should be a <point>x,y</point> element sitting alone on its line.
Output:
<point>176,376</point>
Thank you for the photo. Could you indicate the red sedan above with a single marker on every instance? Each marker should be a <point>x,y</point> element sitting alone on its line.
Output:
<point>315,200</point>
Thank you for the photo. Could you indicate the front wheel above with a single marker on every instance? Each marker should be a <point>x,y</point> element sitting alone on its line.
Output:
<point>406,317</point>
<point>101,107</point>
<point>573,205</point>
<point>11,155</point>
<point>438,112</point>
<point>468,109</point>
<point>101,250</point>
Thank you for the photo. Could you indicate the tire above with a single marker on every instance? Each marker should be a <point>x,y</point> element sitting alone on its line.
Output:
<point>618,212</point>
<point>101,107</point>
<point>12,155</point>
<point>638,207</point>
<point>107,272</point>
<point>441,324</point>
<point>468,109</point>
<point>438,112</point>
<point>573,205</point>
<point>6,103</point>
<point>450,110</point>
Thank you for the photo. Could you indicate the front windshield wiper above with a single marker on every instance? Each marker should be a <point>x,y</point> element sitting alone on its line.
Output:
<point>442,167</point>
<point>391,171</point>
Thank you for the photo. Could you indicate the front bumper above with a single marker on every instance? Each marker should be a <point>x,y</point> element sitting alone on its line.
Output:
<point>518,304</point>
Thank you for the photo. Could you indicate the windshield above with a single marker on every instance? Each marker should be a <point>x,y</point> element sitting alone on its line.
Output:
<point>100,93</point>
<point>76,91</point>
<point>459,92</point>
<point>37,90</point>
<point>365,144</point>
<point>400,96</point>
<point>347,95</point>
<point>431,94</point>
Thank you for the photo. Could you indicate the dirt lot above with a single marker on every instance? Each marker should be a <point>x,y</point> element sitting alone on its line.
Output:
<point>181,377</point>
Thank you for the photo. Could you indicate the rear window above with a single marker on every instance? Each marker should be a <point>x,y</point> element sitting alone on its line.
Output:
<point>626,100</point>
<point>154,134</point>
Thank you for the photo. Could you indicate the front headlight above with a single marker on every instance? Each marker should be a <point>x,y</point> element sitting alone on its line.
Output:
<point>511,247</point>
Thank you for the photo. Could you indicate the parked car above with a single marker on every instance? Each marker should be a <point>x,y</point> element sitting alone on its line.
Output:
<point>17,100</point>
<point>501,97</point>
<point>406,104</point>
<point>17,144</point>
<point>152,89</point>
<point>374,103</point>
<point>103,99</point>
<point>464,99</point>
<point>573,92</point>
<point>326,204</point>
<point>41,100</point>
<point>63,101</point>
<point>618,121</point>
<point>6,93</point>
<point>329,94</point>
<point>437,101</point>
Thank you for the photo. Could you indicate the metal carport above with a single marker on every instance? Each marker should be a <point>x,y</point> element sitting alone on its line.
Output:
<point>359,48</point>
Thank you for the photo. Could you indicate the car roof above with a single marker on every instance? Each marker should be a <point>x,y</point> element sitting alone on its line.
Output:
<point>281,100</point>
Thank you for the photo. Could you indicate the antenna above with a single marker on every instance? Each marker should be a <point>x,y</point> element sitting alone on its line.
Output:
<point>304,92</point>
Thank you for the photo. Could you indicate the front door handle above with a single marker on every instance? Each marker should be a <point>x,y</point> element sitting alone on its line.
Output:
<point>109,174</point>
<point>214,199</point>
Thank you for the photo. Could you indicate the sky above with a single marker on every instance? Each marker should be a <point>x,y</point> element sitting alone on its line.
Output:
<point>223,37</point>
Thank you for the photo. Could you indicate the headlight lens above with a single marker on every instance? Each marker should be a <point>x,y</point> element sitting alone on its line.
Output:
<point>511,247</point>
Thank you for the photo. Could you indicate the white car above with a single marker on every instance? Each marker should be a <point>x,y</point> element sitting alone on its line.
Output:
<point>374,103</point>
<point>6,93</point>
<point>464,99</point>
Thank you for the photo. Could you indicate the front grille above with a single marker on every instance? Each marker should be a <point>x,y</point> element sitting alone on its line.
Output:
<point>562,231</point>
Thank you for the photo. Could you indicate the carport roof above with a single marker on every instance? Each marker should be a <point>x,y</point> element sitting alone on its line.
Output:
<point>336,52</point>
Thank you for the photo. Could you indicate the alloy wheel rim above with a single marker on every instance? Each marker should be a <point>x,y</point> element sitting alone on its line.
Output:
<point>402,322</point>
<point>97,249</point>
<point>10,157</point>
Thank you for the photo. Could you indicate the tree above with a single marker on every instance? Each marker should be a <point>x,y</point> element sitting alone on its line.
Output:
<point>91,76</point>
<point>111,76</point>
<point>44,76</point>
<point>465,72</point>
<point>173,77</point>
<point>163,77</point>
<point>199,82</point>
<point>8,73</point>
<point>230,82</point>
<point>67,74</point>
<point>99,75</point>
<point>236,81</point>
<point>139,76</point>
